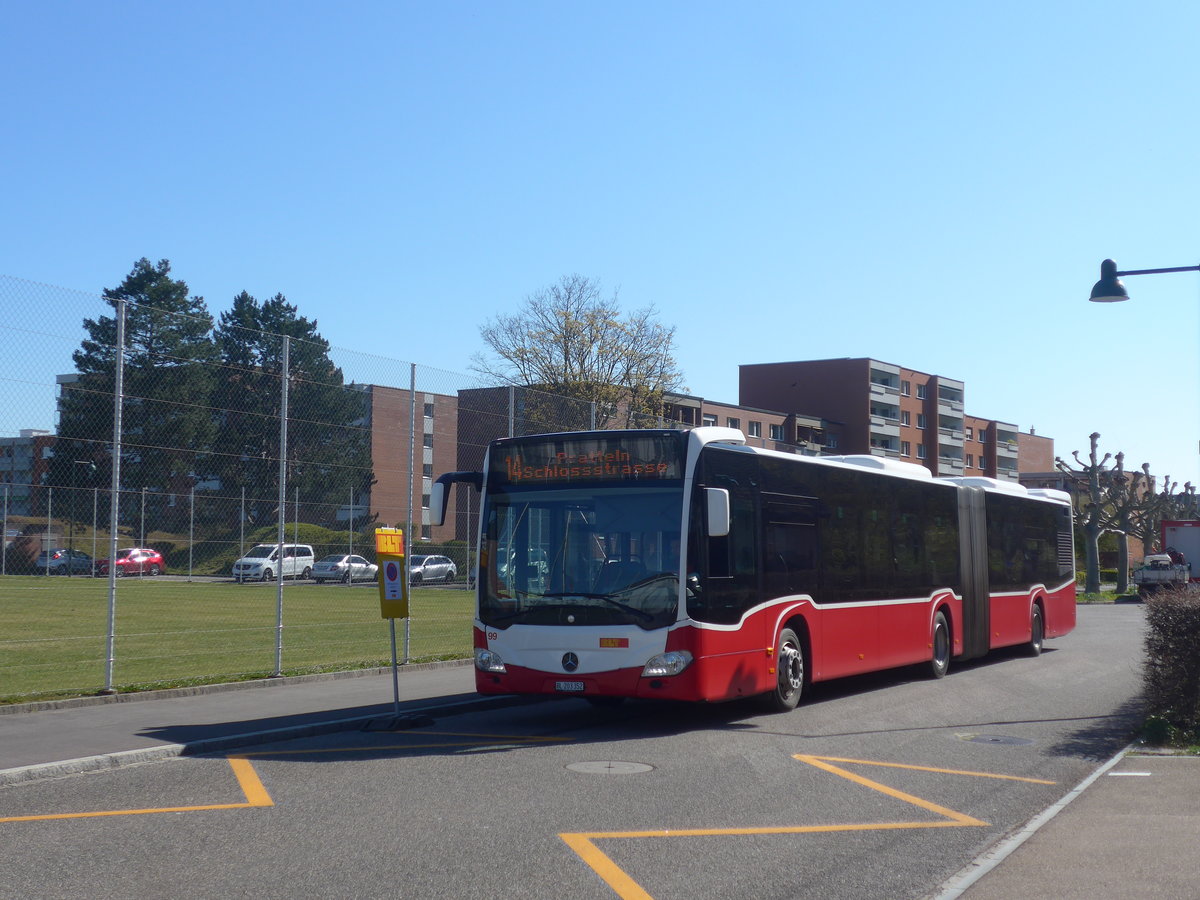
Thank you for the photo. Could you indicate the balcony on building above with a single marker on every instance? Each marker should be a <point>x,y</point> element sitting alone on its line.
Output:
<point>683,409</point>
<point>950,458</point>
<point>810,434</point>
<point>885,445</point>
<point>1006,444</point>
<point>950,396</point>
<point>950,431</point>
<point>885,380</point>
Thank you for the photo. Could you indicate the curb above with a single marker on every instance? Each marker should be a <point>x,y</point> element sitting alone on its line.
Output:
<point>125,758</point>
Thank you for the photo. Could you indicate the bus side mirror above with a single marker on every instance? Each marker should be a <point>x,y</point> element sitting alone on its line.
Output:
<point>438,499</point>
<point>439,496</point>
<point>717,501</point>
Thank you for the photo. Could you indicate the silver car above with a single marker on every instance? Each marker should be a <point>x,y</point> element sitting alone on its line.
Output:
<point>343,567</point>
<point>431,568</point>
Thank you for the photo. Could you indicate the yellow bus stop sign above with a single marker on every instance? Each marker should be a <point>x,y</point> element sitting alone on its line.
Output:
<point>393,585</point>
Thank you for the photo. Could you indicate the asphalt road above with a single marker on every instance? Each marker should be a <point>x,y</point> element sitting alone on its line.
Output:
<point>878,787</point>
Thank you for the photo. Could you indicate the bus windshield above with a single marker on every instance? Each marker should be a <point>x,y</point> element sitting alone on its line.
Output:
<point>571,556</point>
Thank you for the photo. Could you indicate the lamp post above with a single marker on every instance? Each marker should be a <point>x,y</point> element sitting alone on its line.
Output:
<point>1109,288</point>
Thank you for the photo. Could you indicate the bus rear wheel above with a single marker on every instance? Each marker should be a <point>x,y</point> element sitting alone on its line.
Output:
<point>789,673</point>
<point>939,664</point>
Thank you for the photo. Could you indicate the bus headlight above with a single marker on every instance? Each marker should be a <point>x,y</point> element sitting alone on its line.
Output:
<point>487,661</point>
<point>665,664</point>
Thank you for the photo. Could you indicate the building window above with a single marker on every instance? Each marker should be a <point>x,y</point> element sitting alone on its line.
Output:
<point>731,422</point>
<point>428,440</point>
<point>970,461</point>
<point>920,392</point>
<point>905,387</point>
<point>426,532</point>
<point>429,410</point>
<point>709,419</point>
<point>777,432</point>
<point>904,420</point>
<point>920,420</point>
<point>425,501</point>
<point>982,436</point>
<point>427,470</point>
<point>755,429</point>
<point>905,448</point>
<point>969,433</point>
<point>831,441</point>
<point>920,451</point>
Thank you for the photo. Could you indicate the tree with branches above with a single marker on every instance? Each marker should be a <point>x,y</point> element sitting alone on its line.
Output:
<point>1088,476</point>
<point>590,365</point>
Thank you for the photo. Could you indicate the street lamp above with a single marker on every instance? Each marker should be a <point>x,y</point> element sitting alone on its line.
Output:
<point>1109,288</point>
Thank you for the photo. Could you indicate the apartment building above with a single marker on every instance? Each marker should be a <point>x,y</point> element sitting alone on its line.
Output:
<point>885,409</point>
<point>23,461</point>
<point>432,448</point>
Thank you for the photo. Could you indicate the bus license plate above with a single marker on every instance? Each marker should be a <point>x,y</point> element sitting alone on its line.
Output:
<point>575,686</point>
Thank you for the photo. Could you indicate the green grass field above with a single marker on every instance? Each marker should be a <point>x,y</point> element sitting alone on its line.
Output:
<point>53,632</point>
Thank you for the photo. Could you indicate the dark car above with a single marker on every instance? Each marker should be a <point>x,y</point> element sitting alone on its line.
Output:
<point>134,561</point>
<point>431,568</point>
<point>62,561</point>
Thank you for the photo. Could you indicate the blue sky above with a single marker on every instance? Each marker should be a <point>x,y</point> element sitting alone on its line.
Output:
<point>930,184</point>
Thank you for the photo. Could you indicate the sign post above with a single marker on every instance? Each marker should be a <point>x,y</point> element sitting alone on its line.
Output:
<point>393,592</point>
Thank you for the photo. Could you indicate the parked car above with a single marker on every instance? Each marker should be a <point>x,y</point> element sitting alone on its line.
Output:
<point>431,568</point>
<point>61,561</point>
<point>262,563</point>
<point>343,567</point>
<point>134,561</point>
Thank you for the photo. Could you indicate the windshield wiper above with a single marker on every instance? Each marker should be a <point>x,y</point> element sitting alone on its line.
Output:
<point>541,607</point>
<point>586,595</point>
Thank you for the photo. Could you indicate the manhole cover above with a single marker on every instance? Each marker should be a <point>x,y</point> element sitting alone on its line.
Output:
<point>610,767</point>
<point>995,739</point>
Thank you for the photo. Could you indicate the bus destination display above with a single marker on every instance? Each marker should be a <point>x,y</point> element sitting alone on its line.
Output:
<point>635,459</point>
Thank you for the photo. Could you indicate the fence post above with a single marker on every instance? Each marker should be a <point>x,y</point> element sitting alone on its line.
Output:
<point>412,444</point>
<point>283,417</point>
<point>115,498</point>
<point>191,531</point>
<point>47,544</point>
<point>4,557</point>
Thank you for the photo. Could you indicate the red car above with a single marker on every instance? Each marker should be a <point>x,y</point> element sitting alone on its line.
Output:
<point>135,561</point>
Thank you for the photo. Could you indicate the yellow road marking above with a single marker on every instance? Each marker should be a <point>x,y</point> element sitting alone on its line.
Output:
<point>252,786</point>
<point>887,765</point>
<point>247,778</point>
<point>628,889</point>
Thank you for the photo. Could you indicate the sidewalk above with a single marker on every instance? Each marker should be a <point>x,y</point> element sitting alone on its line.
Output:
<point>1130,830</point>
<point>96,733</point>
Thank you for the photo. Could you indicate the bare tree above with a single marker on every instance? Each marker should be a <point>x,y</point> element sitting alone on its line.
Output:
<point>1092,514</point>
<point>568,341</point>
<point>1123,502</point>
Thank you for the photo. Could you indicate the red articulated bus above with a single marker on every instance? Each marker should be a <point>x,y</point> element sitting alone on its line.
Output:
<point>685,565</point>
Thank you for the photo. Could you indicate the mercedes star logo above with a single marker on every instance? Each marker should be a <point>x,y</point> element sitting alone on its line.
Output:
<point>570,662</point>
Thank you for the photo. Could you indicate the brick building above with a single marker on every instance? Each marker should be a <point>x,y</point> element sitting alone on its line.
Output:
<point>887,410</point>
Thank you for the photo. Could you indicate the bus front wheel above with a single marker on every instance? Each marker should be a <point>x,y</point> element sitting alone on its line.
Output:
<point>1037,632</point>
<point>939,664</point>
<point>789,672</point>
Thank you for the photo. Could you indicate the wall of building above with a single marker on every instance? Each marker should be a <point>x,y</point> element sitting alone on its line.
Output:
<point>433,452</point>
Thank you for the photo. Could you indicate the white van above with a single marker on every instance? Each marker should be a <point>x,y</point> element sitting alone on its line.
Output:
<point>262,563</point>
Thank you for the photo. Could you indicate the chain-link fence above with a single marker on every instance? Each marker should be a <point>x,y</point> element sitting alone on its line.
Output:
<point>148,447</point>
